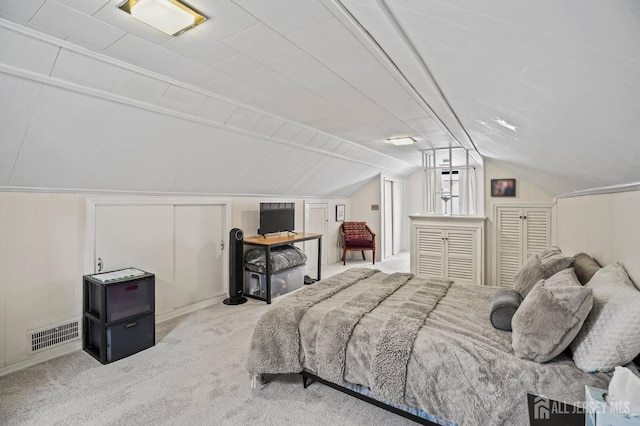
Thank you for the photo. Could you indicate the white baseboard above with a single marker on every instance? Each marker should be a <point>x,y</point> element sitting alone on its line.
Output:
<point>43,356</point>
<point>76,345</point>
<point>166,316</point>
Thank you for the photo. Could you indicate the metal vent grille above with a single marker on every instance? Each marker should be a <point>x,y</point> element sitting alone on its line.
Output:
<point>38,340</point>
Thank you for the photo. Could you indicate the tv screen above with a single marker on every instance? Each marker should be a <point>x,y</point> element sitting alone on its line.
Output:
<point>276,217</point>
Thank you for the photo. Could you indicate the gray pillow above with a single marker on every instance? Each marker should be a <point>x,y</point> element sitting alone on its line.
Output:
<point>504,305</point>
<point>550,317</point>
<point>540,267</point>
<point>585,266</point>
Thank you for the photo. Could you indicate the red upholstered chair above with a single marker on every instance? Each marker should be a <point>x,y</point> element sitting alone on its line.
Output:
<point>357,236</point>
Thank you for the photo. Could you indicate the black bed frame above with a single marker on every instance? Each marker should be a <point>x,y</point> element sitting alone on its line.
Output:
<point>309,378</point>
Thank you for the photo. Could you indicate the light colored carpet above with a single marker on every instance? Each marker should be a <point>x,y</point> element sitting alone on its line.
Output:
<point>194,375</point>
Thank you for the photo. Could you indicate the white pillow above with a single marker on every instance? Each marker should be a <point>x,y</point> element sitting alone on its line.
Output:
<point>611,334</point>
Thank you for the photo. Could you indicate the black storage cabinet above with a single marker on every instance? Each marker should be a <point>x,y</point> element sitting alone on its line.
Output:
<point>119,316</point>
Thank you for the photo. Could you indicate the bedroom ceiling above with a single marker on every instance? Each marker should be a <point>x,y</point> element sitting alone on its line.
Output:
<point>297,97</point>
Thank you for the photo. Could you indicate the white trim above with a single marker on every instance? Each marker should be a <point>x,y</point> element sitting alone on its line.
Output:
<point>183,310</point>
<point>623,187</point>
<point>46,355</point>
<point>78,191</point>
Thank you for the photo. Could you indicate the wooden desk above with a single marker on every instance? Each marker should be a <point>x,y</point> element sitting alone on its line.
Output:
<point>269,242</point>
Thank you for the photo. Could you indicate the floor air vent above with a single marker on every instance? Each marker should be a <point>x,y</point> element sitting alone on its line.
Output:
<point>44,338</point>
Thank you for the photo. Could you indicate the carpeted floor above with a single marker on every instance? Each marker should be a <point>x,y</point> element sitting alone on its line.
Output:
<point>194,375</point>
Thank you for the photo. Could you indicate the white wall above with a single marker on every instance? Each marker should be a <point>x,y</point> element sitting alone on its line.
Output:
<point>42,258</point>
<point>604,226</point>
<point>525,193</point>
<point>361,201</point>
<point>415,193</point>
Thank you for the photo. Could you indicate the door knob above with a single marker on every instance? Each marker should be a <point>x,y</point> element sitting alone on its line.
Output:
<point>99,264</point>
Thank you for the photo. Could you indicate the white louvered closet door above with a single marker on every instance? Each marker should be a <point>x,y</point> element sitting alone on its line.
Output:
<point>460,262</point>
<point>509,235</point>
<point>537,230</point>
<point>521,232</point>
<point>430,253</point>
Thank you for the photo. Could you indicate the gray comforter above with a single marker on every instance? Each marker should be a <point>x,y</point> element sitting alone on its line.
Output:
<point>424,343</point>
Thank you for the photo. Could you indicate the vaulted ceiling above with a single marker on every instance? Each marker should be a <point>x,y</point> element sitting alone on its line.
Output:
<point>291,97</point>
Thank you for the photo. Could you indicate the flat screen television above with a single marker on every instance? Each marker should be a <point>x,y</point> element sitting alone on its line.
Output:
<point>276,217</point>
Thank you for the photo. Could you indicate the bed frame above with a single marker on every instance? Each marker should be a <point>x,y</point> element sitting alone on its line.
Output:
<point>308,378</point>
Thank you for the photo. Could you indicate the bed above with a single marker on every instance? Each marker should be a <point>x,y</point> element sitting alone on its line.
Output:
<point>412,343</point>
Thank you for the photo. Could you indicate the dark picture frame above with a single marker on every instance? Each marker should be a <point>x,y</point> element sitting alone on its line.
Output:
<point>340,212</point>
<point>503,187</point>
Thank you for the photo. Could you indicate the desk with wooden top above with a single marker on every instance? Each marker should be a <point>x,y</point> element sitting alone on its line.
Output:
<point>270,241</point>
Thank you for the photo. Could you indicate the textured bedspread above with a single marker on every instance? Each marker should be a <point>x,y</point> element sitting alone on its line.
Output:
<point>424,343</point>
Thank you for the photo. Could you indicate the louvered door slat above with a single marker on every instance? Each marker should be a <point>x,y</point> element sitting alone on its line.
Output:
<point>430,256</point>
<point>429,266</point>
<point>509,244</point>
<point>537,230</point>
<point>460,254</point>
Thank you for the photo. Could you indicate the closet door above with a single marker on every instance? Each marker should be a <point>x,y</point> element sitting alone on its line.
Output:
<point>521,232</point>
<point>537,230</point>
<point>139,236</point>
<point>509,239</point>
<point>461,256</point>
<point>199,260</point>
<point>430,252</point>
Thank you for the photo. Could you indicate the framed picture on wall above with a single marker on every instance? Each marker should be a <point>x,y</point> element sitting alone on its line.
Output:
<point>503,187</point>
<point>339,212</point>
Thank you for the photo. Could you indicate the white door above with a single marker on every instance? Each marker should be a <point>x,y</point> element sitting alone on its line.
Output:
<point>399,219</point>
<point>199,260</point>
<point>460,258</point>
<point>388,218</point>
<point>395,223</point>
<point>430,252</point>
<point>139,236</point>
<point>520,233</point>
<point>316,218</point>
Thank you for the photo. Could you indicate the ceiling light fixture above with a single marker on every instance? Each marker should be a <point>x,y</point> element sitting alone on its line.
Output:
<point>402,141</point>
<point>506,124</point>
<point>169,16</point>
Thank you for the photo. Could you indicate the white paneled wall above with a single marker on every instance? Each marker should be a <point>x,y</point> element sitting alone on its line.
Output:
<point>604,226</point>
<point>3,276</point>
<point>42,257</point>
<point>43,253</point>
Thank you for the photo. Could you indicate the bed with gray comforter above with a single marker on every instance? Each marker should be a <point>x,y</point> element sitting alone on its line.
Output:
<point>425,343</point>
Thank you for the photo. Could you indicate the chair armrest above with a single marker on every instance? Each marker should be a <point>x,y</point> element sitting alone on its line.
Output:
<point>373,236</point>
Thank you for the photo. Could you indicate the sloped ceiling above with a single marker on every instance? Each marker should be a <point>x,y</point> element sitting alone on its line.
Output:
<point>297,97</point>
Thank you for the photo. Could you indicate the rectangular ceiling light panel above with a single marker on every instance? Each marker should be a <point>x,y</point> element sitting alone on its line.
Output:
<point>169,16</point>
<point>402,141</point>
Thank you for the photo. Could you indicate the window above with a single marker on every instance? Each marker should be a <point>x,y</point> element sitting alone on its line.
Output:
<point>450,192</point>
<point>450,181</point>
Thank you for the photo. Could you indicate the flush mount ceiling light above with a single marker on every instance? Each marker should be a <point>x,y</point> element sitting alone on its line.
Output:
<point>169,16</point>
<point>506,124</point>
<point>402,141</point>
